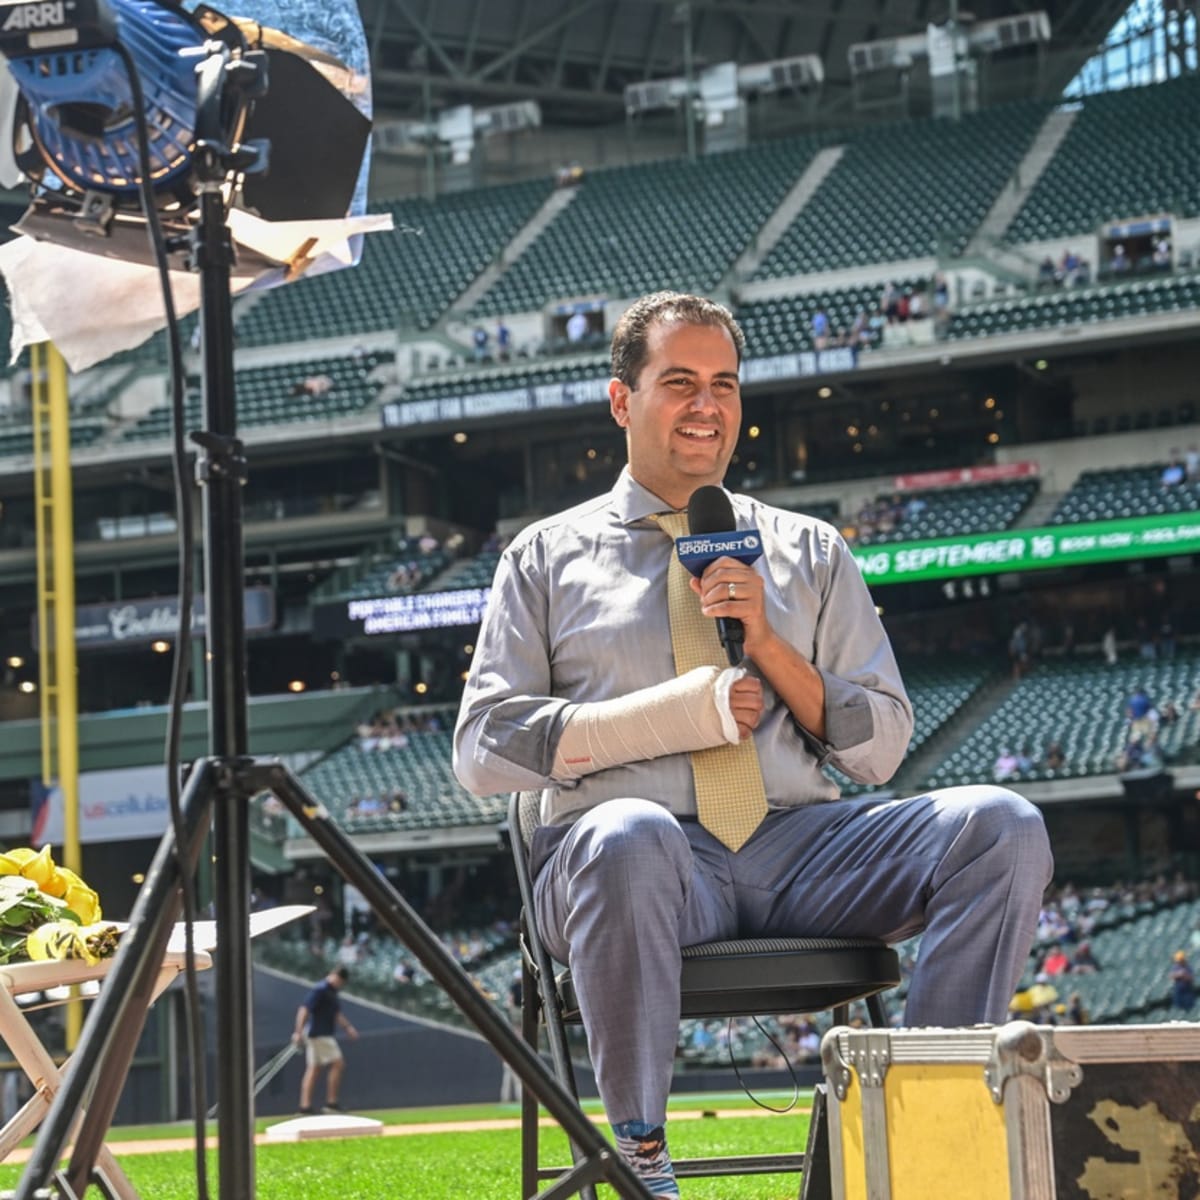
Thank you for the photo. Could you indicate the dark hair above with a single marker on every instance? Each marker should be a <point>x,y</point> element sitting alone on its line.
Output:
<point>342,973</point>
<point>633,329</point>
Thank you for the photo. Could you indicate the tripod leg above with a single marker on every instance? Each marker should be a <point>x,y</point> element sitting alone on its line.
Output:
<point>395,913</point>
<point>115,1021</point>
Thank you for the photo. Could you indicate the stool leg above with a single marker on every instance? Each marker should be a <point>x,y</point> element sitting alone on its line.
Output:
<point>877,1010</point>
<point>530,1008</point>
<point>43,1073</point>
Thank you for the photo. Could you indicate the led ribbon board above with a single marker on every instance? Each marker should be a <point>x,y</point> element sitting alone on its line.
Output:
<point>1031,549</point>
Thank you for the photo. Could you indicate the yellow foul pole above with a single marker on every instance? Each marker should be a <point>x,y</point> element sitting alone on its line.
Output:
<point>56,603</point>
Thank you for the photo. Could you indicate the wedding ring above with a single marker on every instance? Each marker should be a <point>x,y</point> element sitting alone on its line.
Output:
<point>733,591</point>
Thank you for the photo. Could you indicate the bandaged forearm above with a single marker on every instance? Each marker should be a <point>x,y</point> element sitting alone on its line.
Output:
<point>691,712</point>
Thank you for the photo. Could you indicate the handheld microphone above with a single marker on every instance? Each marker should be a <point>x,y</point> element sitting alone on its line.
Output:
<point>714,534</point>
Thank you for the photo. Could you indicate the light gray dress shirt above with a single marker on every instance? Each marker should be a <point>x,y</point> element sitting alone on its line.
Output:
<point>578,612</point>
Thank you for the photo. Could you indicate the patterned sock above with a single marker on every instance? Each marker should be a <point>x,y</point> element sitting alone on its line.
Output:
<point>644,1147</point>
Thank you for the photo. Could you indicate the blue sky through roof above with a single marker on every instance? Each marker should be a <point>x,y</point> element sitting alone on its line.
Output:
<point>1139,50</point>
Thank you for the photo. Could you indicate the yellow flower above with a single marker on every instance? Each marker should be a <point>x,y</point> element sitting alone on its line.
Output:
<point>34,864</point>
<point>56,885</point>
<point>80,898</point>
<point>58,940</point>
<point>55,941</point>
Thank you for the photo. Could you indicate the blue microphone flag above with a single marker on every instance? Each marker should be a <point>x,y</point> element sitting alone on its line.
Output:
<point>697,550</point>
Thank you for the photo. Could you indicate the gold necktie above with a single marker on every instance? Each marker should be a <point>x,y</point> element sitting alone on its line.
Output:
<point>730,797</point>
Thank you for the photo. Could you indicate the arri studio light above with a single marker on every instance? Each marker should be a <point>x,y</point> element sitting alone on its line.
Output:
<point>75,121</point>
<point>296,191</point>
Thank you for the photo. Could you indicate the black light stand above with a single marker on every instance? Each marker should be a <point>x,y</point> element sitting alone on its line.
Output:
<point>228,779</point>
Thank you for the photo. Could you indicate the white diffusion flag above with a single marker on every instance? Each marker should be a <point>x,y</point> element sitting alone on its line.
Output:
<point>114,806</point>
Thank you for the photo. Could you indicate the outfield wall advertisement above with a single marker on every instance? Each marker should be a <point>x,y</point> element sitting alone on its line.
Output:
<point>114,806</point>
<point>1030,549</point>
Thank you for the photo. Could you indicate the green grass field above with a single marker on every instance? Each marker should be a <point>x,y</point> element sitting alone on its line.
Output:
<point>480,1164</point>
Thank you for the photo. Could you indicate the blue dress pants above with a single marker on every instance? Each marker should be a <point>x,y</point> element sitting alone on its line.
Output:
<point>621,890</point>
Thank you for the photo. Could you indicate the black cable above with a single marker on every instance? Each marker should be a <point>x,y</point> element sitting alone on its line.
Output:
<point>782,1054</point>
<point>181,664</point>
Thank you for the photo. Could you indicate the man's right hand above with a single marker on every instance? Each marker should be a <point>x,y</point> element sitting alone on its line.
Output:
<point>746,704</point>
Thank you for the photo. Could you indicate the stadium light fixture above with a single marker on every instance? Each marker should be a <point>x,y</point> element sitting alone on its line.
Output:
<point>984,37</point>
<point>457,128</point>
<point>716,97</point>
<point>949,49</point>
<point>801,73</point>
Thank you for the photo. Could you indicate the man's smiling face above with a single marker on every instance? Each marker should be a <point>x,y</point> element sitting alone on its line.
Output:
<point>683,418</point>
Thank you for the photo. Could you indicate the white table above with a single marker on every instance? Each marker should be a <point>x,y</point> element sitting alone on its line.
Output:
<point>18,1034</point>
<point>23,978</point>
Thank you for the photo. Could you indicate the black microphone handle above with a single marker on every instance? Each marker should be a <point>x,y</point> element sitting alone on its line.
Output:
<point>732,634</point>
<point>709,511</point>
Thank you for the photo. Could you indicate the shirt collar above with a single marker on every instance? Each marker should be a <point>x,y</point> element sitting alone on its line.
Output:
<point>633,502</point>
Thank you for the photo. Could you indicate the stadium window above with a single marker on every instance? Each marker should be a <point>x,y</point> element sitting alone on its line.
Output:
<point>1152,40</point>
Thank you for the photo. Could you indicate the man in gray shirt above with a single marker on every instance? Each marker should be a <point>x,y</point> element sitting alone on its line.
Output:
<point>573,689</point>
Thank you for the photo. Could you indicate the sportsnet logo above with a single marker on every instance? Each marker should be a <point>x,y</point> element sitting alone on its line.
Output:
<point>697,550</point>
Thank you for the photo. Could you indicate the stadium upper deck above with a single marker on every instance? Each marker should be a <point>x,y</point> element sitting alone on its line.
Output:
<point>764,227</point>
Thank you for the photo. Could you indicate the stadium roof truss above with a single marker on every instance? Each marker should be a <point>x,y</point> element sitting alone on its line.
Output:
<point>576,57</point>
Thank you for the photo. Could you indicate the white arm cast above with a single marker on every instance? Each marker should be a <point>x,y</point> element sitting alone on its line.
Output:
<point>688,713</point>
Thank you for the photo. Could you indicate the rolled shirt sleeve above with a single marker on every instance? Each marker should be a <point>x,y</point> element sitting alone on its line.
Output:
<point>868,716</point>
<point>509,723</point>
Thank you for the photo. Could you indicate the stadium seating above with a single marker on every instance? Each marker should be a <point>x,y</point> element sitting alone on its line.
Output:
<point>634,229</point>
<point>274,395</point>
<point>16,435</point>
<point>475,572</point>
<point>491,963</point>
<point>407,277</point>
<point>419,770</point>
<point>1124,492</point>
<point>1130,153</point>
<point>1081,704</point>
<point>953,512</point>
<point>783,325</point>
<point>1132,985</point>
<point>500,378</point>
<point>398,571</point>
<point>906,191</point>
<point>1077,306</point>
